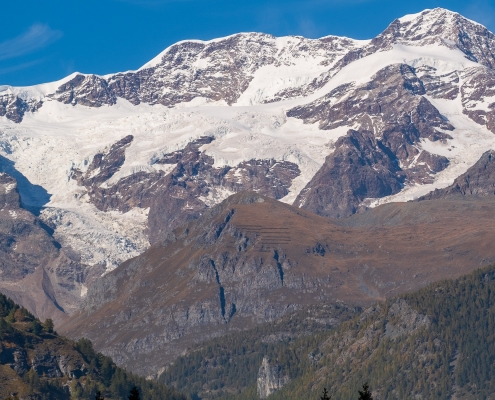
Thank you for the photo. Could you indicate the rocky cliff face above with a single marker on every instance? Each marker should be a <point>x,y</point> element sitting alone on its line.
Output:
<point>270,379</point>
<point>377,161</point>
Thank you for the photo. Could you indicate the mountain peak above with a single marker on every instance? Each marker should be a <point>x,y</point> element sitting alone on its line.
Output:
<point>443,27</point>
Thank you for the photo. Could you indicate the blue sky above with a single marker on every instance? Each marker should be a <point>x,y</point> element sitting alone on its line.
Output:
<point>45,40</point>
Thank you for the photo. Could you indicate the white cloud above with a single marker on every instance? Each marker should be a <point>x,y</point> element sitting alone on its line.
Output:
<point>36,37</point>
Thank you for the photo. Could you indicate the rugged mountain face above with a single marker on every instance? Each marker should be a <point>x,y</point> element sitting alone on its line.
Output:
<point>220,70</point>
<point>186,191</point>
<point>393,118</point>
<point>479,180</point>
<point>401,347</point>
<point>444,28</point>
<point>252,259</point>
<point>14,107</point>
<point>34,270</point>
<point>113,164</point>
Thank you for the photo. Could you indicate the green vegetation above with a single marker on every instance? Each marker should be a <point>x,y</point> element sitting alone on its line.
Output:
<point>430,344</point>
<point>224,366</point>
<point>36,363</point>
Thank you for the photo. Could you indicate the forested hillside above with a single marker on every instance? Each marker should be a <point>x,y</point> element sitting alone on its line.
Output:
<point>431,344</point>
<point>229,364</point>
<point>36,363</point>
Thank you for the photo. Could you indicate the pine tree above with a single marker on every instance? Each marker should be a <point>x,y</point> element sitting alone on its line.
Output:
<point>134,395</point>
<point>36,327</point>
<point>365,394</point>
<point>99,396</point>
<point>48,325</point>
<point>325,395</point>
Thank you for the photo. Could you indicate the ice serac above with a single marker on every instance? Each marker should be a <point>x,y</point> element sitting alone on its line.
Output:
<point>252,259</point>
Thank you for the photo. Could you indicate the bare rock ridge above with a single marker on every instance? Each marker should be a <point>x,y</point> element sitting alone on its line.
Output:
<point>479,180</point>
<point>252,259</point>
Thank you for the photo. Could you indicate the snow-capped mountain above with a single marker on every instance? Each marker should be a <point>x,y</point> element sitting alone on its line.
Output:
<point>114,163</point>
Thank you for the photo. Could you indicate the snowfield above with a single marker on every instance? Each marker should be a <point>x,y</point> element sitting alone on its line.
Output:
<point>50,143</point>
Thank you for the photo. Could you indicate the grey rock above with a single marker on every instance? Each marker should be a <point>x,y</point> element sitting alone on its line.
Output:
<point>270,378</point>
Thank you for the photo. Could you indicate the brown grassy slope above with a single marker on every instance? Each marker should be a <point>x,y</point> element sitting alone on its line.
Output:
<point>252,259</point>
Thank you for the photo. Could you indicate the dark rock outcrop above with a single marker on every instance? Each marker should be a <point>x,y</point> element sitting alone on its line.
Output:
<point>479,180</point>
<point>104,165</point>
<point>14,107</point>
<point>479,83</point>
<point>356,170</point>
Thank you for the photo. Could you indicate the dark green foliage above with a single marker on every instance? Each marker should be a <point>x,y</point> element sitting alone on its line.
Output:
<point>134,394</point>
<point>102,380</point>
<point>365,394</point>
<point>48,325</point>
<point>6,306</point>
<point>453,350</point>
<point>325,395</point>
<point>36,327</point>
<point>230,364</point>
<point>5,328</point>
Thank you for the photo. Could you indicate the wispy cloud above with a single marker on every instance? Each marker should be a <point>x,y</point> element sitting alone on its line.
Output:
<point>19,67</point>
<point>36,37</point>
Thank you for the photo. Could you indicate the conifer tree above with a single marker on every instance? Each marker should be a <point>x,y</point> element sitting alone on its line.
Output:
<point>134,395</point>
<point>48,325</point>
<point>365,394</point>
<point>325,395</point>
<point>36,327</point>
